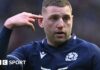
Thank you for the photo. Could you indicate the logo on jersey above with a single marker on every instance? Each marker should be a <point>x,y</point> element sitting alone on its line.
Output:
<point>72,56</point>
<point>42,54</point>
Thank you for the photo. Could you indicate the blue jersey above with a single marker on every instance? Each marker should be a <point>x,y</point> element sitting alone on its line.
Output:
<point>4,39</point>
<point>74,54</point>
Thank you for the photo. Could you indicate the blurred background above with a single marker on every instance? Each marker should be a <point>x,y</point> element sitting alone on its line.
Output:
<point>86,20</point>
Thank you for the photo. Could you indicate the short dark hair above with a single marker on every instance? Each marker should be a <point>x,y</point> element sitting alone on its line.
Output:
<point>59,3</point>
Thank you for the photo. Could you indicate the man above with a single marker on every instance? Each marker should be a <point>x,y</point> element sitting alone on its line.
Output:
<point>60,50</point>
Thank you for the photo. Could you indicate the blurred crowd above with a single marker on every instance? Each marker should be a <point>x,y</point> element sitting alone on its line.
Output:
<point>86,20</point>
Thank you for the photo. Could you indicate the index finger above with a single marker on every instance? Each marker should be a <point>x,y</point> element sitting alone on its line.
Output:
<point>37,16</point>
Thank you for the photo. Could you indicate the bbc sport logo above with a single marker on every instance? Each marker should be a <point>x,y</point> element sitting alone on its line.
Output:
<point>11,62</point>
<point>3,62</point>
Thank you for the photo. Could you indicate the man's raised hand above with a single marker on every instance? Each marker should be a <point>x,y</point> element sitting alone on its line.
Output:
<point>22,19</point>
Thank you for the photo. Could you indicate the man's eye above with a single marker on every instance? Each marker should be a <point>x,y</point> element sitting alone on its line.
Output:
<point>54,18</point>
<point>65,18</point>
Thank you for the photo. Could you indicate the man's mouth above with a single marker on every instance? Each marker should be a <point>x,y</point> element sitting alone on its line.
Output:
<point>59,34</point>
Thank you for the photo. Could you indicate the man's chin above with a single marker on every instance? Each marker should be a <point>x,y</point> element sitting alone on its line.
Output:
<point>60,40</point>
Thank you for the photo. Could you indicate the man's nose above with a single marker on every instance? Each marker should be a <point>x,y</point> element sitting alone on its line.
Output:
<point>60,24</point>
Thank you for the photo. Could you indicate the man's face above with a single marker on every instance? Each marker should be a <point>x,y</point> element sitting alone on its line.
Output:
<point>57,23</point>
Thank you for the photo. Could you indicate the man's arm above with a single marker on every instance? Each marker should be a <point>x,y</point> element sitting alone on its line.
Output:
<point>19,20</point>
<point>4,40</point>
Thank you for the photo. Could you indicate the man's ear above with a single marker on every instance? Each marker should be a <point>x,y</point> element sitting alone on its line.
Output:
<point>40,22</point>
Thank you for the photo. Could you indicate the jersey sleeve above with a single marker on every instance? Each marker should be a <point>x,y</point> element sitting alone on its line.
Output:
<point>4,40</point>
<point>15,59</point>
<point>20,57</point>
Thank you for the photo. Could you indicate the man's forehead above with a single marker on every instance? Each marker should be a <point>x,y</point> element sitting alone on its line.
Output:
<point>58,10</point>
<point>52,9</point>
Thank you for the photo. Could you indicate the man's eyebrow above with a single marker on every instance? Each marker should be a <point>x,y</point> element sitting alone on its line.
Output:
<point>55,15</point>
<point>60,15</point>
<point>66,15</point>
